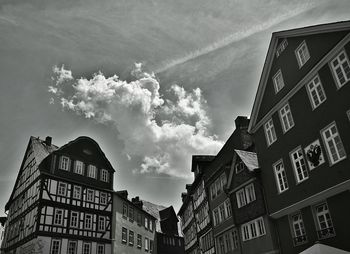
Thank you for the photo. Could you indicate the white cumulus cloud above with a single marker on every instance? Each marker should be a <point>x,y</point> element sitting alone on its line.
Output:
<point>165,132</point>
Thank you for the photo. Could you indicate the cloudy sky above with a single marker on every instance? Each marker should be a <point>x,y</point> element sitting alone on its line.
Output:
<point>152,81</point>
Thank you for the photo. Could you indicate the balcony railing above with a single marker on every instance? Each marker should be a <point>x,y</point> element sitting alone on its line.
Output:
<point>326,233</point>
<point>299,240</point>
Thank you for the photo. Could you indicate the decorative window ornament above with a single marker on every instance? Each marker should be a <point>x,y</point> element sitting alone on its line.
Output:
<point>314,154</point>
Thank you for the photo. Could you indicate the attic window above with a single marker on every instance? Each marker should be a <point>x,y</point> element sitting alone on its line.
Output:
<point>87,151</point>
<point>281,47</point>
<point>239,167</point>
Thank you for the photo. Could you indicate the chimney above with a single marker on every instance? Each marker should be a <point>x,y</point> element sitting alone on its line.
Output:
<point>183,196</point>
<point>241,122</point>
<point>48,141</point>
<point>137,202</point>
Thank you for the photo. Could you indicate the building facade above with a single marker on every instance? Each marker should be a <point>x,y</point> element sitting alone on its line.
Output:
<point>133,228</point>
<point>167,239</point>
<point>301,126</point>
<point>188,223</point>
<point>62,200</point>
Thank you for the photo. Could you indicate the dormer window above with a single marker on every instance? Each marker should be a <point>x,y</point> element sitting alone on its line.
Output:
<point>302,54</point>
<point>278,81</point>
<point>79,167</point>
<point>64,163</point>
<point>104,175</point>
<point>92,171</point>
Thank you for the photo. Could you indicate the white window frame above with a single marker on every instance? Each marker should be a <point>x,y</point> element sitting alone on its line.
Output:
<point>270,132</point>
<point>241,198</point>
<point>101,223</point>
<point>124,235</point>
<point>62,189</point>
<point>329,222</point>
<point>103,198</point>
<point>75,192</point>
<point>72,249</point>
<point>146,222</point>
<point>338,146</point>
<point>250,193</point>
<point>298,228</point>
<point>92,171</point>
<point>316,91</point>
<point>104,175</point>
<point>58,217</point>
<point>131,238</point>
<point>88,199</point>
<point>299,165</point>
<point>64,165</point>
<point>302,56</point>
<point>340,84</point>
<point>79,167</point>
<point>146,244</point>
<point>278,81</point>
<point>53,249</point>
<point>84,249</point>
<point>74,217</point>
<point>88,221</point>
<point>102,250</point>
<point>281,174</point>
<point>286,118</point>
<point>228,208</point>
<point>139,241</point>
<point>253,229</point>
<point>281,47</point>
<point>125,210</point>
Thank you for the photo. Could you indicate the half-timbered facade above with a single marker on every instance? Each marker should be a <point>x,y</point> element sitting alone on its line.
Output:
<point>301,125</point>
<point>62,200</point>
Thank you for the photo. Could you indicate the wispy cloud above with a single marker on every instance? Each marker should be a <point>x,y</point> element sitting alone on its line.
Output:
<point>238,35</point>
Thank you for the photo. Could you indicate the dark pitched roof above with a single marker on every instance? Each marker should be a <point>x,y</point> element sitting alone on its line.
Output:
<point>167,213</point>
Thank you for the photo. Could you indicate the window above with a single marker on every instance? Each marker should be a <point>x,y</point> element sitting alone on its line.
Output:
<point>92,171</point>
<point>286,118</point>
<point>103,198</point>
<point>281,178</point>
<point>341,69</point>
<point>55,246</point>
<point>86,248</point>
<point>239,167</point>
<point>278,81</point>
<point>146,244</point>
<point>151,245</point>
<point>100,249</point>
<point>146,222</point>
<point>151,225</point>
<point>58,217</point>
<point>88,221</point>
<point>64,163</point>
<point>228,207</point>
<point>124,235</point>
<point>281,47</point>
<point>101,223</point>
<point>79,167</point>
<point>77,192</point>
<point>316,92</point>
<point>131,213</point>
<point>270,132</point>
<point>131,237</point>
<point>139,241</point>
<point>235,239</point>
<point>334,145</point>
<point>104,175</point>
<point>62,189</point>
<point>72,247</point>
<point>74,219</point>
<point>139,219</point>
<point>298,230</point>
<point>241,200</point>
<point>222,212</point>
<point>218,186</point>
<point>90,195</point>
<point>245,195</point>
<point>216,217</point>
<point>299,165</point>
<point>223,181</point>
<point>324,221</point>
<point>213,191</point>
<point>253,229</point>
<point>125,210</point>
<point>302,54</point>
